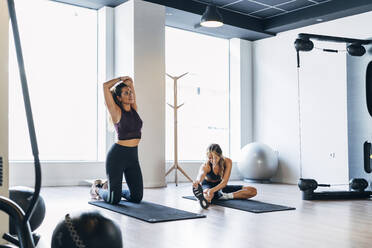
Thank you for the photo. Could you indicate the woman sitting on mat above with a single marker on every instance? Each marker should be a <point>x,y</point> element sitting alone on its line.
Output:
<point>214,176</point>
<point>122,158</point>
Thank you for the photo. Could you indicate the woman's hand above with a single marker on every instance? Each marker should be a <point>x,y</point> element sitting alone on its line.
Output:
<point>127,80</point>
<point>208,195</point>
<point>195,184</point>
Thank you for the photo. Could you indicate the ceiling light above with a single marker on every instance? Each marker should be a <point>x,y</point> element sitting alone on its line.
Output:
<point>211,17</point>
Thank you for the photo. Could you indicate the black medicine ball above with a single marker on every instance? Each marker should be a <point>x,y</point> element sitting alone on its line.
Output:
<point>88,230</point>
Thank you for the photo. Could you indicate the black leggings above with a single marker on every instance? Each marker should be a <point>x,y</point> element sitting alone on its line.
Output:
<point>122,160</point>
<point>228,188</point>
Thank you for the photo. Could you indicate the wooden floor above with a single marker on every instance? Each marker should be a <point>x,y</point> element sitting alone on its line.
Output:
<point>313,224</point>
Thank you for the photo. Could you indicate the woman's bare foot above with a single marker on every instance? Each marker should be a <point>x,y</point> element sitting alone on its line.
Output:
<point>94,189</point>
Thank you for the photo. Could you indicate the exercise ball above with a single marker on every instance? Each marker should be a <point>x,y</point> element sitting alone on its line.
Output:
<point>86,229</point>
<point>257,162</point>
<point>22,196</point>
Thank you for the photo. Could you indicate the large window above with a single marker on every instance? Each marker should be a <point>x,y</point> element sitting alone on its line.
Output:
<point>204,117</point>
<point>60,50</point>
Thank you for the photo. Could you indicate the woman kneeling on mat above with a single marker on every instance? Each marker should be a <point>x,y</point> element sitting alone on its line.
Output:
<point>214,176</point>
<point>122,158</point>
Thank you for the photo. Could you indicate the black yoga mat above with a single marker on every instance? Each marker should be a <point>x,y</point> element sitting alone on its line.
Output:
<point>247,205</point>
<point>147,211</point>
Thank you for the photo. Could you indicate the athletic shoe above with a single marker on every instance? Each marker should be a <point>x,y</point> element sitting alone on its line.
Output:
<point>198,192</point>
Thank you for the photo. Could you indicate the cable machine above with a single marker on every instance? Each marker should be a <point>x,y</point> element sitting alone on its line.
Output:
<point>357,185</point>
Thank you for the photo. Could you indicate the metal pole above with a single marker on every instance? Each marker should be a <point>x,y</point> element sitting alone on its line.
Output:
<point>27,103</point>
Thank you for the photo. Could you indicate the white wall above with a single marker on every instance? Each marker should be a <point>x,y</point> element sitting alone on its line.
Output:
<point>4,34</point>
<point>323,91</point>
<point>55,173</point>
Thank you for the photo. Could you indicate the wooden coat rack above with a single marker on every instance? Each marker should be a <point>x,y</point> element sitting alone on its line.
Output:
<point>176,166</point>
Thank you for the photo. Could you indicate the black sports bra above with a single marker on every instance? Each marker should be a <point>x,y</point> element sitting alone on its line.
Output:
<point>129,126</point>
<point>211,174</point>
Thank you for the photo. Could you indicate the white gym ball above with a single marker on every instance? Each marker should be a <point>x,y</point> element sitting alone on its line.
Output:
<point>257,162</point>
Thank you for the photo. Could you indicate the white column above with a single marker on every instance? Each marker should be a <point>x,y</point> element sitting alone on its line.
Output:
<point>105,71</point>
<point>140,53</point>
<point>241,98</point>
<point>4,34</point>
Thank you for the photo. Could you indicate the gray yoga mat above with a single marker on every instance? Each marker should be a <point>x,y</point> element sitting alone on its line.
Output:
<point>247,205</point>
<point>147,211</point>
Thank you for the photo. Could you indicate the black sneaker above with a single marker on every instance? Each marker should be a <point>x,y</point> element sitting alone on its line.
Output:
<point>200,196</point>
